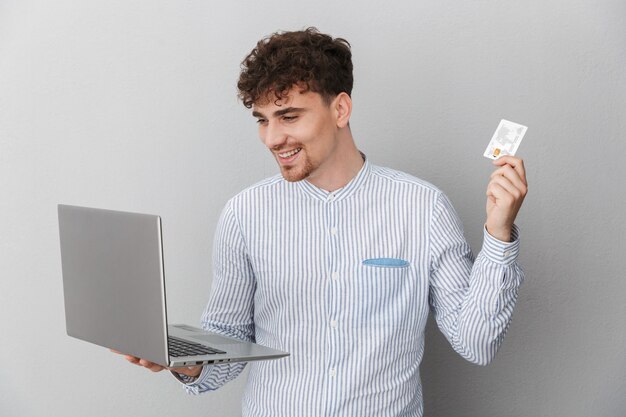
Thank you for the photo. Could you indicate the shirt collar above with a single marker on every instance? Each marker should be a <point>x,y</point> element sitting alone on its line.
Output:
<point>343,192</point>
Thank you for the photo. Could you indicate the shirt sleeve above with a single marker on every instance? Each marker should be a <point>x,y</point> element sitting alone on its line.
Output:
<point>472,300</point>
<point>231,305</point>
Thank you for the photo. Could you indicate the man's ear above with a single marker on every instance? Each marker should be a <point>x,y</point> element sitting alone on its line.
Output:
<point>342,105</point>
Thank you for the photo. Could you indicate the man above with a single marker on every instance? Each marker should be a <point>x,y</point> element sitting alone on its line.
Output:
<point>338,261</point>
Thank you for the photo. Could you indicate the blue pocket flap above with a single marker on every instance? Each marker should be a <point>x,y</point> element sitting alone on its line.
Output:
<point>386,262</point>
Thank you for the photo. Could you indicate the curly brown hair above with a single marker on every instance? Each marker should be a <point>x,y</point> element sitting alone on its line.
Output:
<point>310,59</point>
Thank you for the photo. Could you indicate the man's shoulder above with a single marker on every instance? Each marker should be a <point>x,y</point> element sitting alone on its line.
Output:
<point>398,177</point>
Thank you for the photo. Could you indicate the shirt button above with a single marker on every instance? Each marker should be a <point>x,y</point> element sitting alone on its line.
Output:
<point>507,253</point>
<point>333,231</point>
<point>333,324</point>
<point>335,275</point>
<point>331,197</point>
<point>332,372</point>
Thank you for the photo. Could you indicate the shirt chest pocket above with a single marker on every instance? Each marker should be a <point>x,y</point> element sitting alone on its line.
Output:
<point>383,289</point>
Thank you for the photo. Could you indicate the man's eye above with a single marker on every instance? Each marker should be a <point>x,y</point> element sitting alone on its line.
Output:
<point>289,118</point>
<point>261,121</point>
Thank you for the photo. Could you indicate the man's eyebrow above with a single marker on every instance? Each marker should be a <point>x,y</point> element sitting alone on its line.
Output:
<point>280,112</point>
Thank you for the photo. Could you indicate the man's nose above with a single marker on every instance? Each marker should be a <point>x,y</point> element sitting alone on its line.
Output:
<point>274,136</point>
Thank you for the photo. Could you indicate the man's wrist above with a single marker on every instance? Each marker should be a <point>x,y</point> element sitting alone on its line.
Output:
<point>502,234</point>
<point>186,379</point>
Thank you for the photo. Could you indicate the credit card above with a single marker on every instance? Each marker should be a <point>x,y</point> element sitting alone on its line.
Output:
<point>505,140</point>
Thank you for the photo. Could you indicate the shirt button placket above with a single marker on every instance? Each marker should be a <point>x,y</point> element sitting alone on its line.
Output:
<point>333,297</point>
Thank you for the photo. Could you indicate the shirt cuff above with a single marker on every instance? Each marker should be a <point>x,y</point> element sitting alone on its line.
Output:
<point>499,252</point>
<point>185,379</point>
<point>190,383</point>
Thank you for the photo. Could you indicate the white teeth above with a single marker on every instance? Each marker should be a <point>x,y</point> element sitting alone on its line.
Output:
<point>290,153</point>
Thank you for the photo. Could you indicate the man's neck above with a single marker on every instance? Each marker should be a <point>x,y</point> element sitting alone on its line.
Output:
<point>339,171</point>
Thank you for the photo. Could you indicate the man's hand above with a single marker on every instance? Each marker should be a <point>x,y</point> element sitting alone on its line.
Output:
<point>192,371</point>
<point>505,194</point>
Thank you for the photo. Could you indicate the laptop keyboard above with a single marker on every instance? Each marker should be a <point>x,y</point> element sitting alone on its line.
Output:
<point>179,347</point>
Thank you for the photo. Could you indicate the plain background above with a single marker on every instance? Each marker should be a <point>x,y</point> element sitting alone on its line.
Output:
<point>131,105</point>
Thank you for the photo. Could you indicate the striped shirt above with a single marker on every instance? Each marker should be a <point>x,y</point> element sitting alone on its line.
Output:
<point>344,282</point>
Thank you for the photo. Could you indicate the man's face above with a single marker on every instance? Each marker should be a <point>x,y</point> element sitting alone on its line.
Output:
<point>301,132</point>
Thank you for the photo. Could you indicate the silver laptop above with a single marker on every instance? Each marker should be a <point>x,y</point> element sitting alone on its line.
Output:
<point>114,290</point>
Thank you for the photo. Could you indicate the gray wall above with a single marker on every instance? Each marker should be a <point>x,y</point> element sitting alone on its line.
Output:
<point>131,105</point>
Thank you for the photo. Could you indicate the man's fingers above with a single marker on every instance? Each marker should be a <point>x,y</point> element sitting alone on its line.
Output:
<point>510,175</point>
<point>516,163</point>
<point>497,192</point>
<point>132,359</point>
<point>129,358</point>
<point>154,367</point>
<point>150,365</point>
<point>507,186</point>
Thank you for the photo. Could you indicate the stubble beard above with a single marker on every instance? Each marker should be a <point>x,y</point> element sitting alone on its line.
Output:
<point>296,173</point>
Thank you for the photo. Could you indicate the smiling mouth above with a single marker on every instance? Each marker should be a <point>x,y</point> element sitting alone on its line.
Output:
<point>287,155</point>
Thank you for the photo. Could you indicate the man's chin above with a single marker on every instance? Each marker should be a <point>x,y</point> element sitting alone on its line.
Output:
<point>292,175</point>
